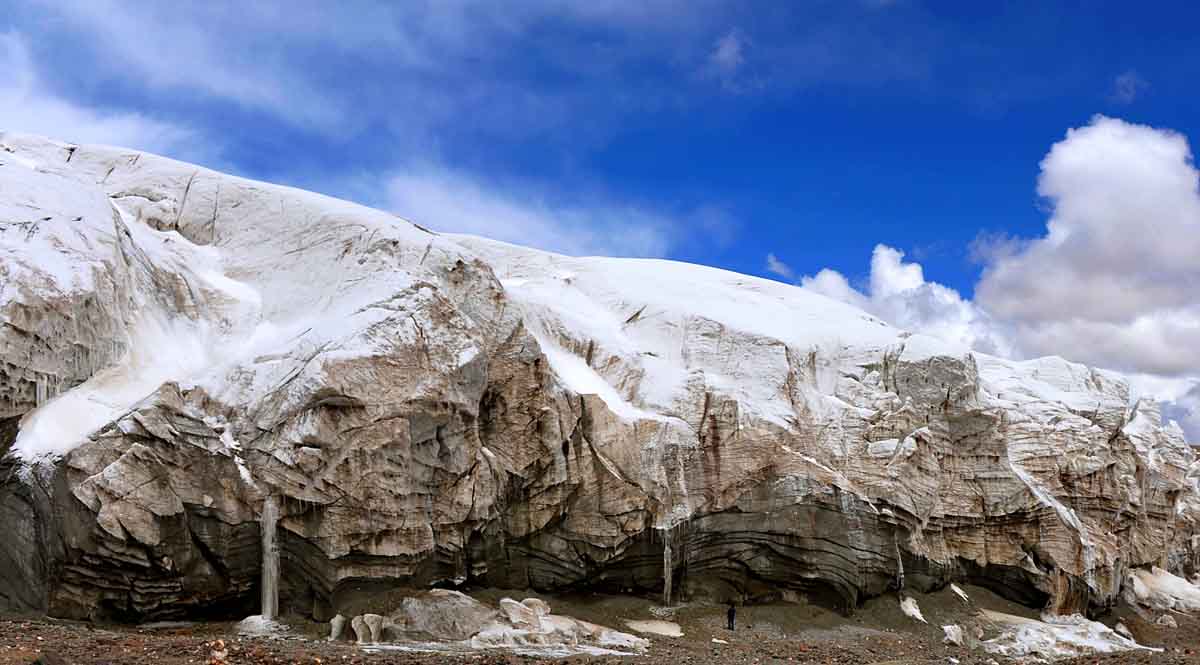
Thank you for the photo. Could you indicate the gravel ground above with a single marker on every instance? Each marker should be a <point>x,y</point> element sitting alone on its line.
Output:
<point>784,633</point>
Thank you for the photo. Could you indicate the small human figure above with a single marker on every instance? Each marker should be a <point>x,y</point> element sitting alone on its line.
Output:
<point>731,614</point>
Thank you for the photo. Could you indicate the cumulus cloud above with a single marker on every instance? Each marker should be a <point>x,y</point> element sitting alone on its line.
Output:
<point>1114,281</point>
<point>777,267</point>
<point>459,202</point>
<point>1127,87</point>
<point>898,292</point>
<point>28,105</point>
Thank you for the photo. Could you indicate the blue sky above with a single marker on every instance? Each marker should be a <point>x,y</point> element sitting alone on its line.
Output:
<point>708,131</point>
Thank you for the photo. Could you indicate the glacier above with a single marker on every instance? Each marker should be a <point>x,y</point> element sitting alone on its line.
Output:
<point>179,345</point>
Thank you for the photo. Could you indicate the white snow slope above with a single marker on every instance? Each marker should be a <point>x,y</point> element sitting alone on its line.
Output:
<point>193,299</point>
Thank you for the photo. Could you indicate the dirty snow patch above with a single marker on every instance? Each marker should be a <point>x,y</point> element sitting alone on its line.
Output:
<point>1160,590</point>
<point>655,627</point>
<point>1054,637</point>
<point>536,651</point>
<point>261,626</point>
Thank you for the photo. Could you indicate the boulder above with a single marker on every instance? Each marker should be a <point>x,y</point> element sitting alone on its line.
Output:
<point>374,624</point>
<point>362,633</point>
<point>536,605</point>
<point>442,614</point>
<point>337,625</point>
<point>519,614</point>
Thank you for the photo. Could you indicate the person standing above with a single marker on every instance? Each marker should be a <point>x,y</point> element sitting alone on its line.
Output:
<point>731,614</point>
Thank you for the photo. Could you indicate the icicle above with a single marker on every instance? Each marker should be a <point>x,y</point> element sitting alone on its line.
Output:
<point>270,560</point>
<point>668,564</point>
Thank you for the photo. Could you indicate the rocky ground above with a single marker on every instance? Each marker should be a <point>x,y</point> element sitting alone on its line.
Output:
<point>774,633</point>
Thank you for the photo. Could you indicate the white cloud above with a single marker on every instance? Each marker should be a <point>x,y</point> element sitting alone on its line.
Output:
<point>458,202</point>
<point>990,247</point>
<point>418,69</point>
<point>726,63</point>
<point>1114,281</point>
<point>26,105</point>
<point>835,285</point>
<point>891,276</point>
<point>774,265</point>
<point>1127,87</point>
<point>898,293</point>
<point>427,74</point>
<point>727,56</point>
<point>173,48</point>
